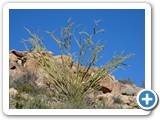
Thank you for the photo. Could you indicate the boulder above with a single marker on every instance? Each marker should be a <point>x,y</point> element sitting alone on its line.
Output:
<point>12,65</point>
<point>125,99</point>
<point>19,53</point>
<point>12,57</point>
<point>31,65</point>
<point>109,103</point>
<point>19,62</point>
<point>109,87</point>
<point>16,72</point>
<point>117,86</point>
<point>108,83</point>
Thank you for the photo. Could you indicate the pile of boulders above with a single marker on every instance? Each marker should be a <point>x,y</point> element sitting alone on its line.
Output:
<point>113,93</point>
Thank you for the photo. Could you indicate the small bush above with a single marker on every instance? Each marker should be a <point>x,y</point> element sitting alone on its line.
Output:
<point>11,82</point>
<point>19,102</point>
<point>126,81</point>
<point>117,100</point>
<point>101,104</point>
<point>38,102</point>
<point>119,106</point>
<point>26,77</point>
<point>25,88</point>
<point>135,105</point>
<point>128,91</point>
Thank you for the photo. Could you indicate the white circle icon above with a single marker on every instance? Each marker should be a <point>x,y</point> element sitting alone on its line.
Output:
<point>147,99</point>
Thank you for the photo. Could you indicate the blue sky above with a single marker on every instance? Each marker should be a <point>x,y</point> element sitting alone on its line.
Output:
<point>124,30</point>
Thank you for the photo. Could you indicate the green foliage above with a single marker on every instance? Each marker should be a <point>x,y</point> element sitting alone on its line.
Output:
<point>37,102</point>
<point>36,41</point>
<point>119,106</point>
<point>38,98</point>
<point>11,81</point>
<point>101,104</point>
<point>73,88</point>
<point>135,105</point>
<point>117,100</point>
<point>128,81</point>
<point>30,96</point>
<point>128,91</point>
<point>25,88</point>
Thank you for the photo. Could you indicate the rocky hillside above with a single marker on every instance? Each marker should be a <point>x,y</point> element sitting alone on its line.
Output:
<point>29,87</point>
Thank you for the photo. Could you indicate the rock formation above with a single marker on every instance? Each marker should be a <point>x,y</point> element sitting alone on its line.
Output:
<point>113,94</point>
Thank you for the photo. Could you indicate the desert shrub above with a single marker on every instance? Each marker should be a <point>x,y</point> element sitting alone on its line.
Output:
<point>36,102</point>
<point>19,101</point>
<point>26,78</point>
<point>25,88</point>
<point>135,105</point>
<point>72,88</point>
<point>117,100</point>
<point>126,81</point>
<point>128,91</point>
<point>11,82</point>
<point>119,106</point>
<point>25,83</point>
<point>100,104</point>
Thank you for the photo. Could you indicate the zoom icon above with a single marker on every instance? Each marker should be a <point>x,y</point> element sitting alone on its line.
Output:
<point>147,99</point>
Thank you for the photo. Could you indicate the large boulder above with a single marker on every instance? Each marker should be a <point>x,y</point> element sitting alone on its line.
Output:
<point>12,57</point>
<point>107,84</point>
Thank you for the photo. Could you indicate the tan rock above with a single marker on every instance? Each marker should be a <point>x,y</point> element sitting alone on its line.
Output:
<point>12,57</point>
<point>19,62</point>
<point>97,93</point>
<point>40,82</point>
<point>117,86</point>
<point>108,82</point>
<point>102,96</point>
<point>66,59</point>
<point>16,72</point>
<point>125,99</point>
<point>12,65</point>
<point>19,53</point>
<point>109,101</point>
<point>49,53</point>
<point>31,65</point>
<point>133,99</point>
<point>91,95</point>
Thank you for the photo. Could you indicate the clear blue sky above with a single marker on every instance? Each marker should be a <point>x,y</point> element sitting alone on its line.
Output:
<point>124,30</point>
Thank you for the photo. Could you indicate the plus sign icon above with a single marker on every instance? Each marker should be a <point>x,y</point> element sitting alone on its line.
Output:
<point>147,99</point>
